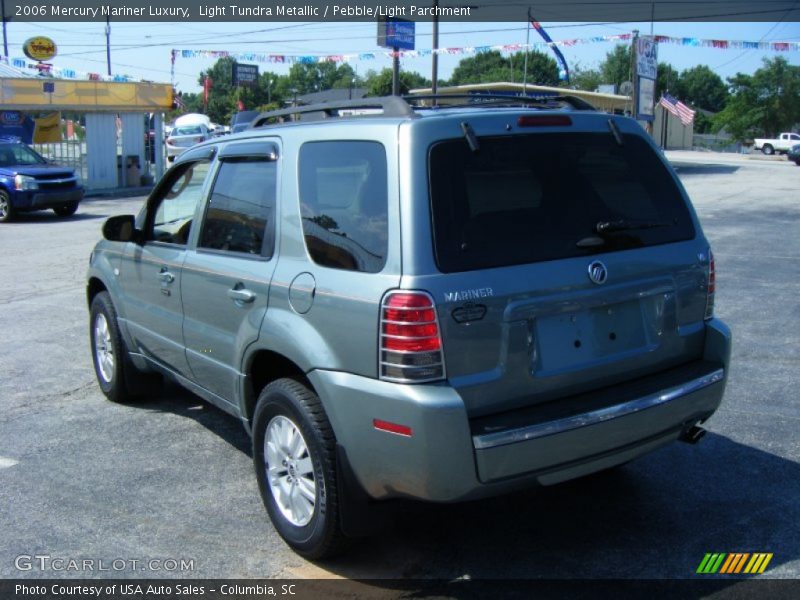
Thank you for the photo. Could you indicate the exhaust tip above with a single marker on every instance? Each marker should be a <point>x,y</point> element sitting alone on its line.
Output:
<point>693,435</point>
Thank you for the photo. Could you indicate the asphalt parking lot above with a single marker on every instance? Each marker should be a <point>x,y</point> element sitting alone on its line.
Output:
<point>172,478</point>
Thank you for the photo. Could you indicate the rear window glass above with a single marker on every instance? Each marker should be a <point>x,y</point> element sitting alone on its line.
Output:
<point>522,199</point>
<point>344,204</point>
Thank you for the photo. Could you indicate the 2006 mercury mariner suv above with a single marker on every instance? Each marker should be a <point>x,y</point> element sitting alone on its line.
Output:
<point>398,301</point>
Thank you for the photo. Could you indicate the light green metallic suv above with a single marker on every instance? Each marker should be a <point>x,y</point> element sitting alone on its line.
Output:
<point>435,303</point>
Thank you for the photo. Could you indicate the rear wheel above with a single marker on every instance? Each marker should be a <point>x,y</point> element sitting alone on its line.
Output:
<point>118,378</point>
<point>67,210</point>
<point>294,452</point>
<point>768,149</point>
<point>6,210</point>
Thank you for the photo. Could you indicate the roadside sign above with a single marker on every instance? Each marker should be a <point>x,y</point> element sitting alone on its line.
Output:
<point>244,74</point>
<point>647,94</point>
<point>646,56</point>
<point>396,33</point>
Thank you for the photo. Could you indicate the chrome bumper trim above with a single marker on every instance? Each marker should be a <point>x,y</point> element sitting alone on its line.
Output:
<point>524,434</point>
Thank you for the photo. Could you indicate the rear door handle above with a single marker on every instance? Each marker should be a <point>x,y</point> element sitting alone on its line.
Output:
<point>241,295</point>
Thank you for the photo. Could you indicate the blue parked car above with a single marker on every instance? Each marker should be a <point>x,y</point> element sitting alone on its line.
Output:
<point>29,182</point>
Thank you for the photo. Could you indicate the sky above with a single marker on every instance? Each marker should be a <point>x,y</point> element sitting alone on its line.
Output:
<point>142,50</point>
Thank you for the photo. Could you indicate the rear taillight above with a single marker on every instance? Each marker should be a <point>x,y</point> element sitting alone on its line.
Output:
<point>711,288</point>
<point>410,340</point>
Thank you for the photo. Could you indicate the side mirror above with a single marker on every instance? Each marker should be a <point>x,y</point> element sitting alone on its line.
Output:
<point>121,228</point>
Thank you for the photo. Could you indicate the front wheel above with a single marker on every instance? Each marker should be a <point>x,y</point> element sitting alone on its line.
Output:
<point>6,210</point>
<point>294,453</point>
<point>118,378</point>
<point>768,149</point>
<point>67,210</point>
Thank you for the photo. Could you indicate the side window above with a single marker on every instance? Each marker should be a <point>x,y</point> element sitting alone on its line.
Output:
<point>241,210</point>
<point>344,204</point>
<point>173,216</point>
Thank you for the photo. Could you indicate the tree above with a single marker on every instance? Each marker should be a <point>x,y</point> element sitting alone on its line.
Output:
<point>616,68</point>
<point>668,80</point>
<point>484,67</point>
<point>380,84</point>
<point>493,67</point>
<point>585,79</point>
<point>542,69</point>
<point>703,88</point>
<point>762,104</point>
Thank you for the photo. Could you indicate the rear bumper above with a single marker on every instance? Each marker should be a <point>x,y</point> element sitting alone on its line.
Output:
<point>450,458</point>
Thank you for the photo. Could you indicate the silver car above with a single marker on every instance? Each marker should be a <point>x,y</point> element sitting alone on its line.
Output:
<point>440,304</point>
<point>185,136</point>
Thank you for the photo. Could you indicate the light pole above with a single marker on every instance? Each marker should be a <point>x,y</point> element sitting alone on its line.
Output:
<point>352,83</point>
<point>269,91</point>
<point>5,40</point>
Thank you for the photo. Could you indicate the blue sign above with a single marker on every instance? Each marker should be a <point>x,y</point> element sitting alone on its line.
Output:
<point>396,33</point>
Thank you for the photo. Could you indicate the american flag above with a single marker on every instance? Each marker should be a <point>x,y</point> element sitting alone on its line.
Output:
<point>677,108</point>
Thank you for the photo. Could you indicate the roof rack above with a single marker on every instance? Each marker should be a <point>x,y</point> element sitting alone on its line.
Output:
<point>501,99</point>
<point>405,106</point>
<point>392,106</point>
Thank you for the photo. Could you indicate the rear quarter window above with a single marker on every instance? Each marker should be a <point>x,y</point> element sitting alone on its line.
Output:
<point>530,198</point>
<point>344,204</point>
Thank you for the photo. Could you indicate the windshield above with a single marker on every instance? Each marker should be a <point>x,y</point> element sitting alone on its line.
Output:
<point>530,198</point>
<point>19,154</point>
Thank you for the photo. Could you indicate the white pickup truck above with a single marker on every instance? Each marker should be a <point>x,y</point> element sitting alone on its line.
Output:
<point>781,144</point>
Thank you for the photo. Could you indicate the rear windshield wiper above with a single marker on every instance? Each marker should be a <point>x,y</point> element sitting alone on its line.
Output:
<point>626,225</point>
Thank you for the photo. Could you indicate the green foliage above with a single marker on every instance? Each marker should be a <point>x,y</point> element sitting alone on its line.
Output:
<point>616,68</point>
<point>492,67</point>
<point>703,88</point>
<point>668,80</point>
<point>380,84</point>
<point>763,104</point>
<point>270,91</point>
<point>585,79</point>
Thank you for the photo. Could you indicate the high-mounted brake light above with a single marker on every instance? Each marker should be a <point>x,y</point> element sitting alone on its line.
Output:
<point>712,286</point>
<point>544,121</point>
<point>410,339</point>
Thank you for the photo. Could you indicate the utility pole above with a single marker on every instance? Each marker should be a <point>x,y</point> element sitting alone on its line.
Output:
<point>434,55</point>
<point>396,71</point>
<point>108,44</point>
<point>5,39</point>
<point>527,47</point>
<point>634,76</point>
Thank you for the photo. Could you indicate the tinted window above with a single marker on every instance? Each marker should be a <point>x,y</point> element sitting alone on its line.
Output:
<point>343,201</point>
<point>18,154</point>
<point>523,199</point>
<point>240,215</point>
<point>173,216</point>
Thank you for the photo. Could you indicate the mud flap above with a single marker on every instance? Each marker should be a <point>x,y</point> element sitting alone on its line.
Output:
<point>361,516</point>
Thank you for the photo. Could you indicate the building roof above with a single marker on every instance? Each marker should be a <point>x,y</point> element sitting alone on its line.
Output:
<point>332,95</point>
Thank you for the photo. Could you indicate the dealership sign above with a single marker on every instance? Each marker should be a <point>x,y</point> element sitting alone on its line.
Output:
<point>244,74</point>
<point>396,33</point>
<point>39,48</point>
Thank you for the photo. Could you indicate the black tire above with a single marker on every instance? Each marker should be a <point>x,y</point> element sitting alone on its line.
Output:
<point>768,149</point>
<point>67,210</point>
<point>6,209</point>
<point>119,380</point>
<point>285,403</point>
<point>797,161</point>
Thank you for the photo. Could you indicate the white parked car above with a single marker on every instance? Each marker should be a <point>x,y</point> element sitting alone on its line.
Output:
<point>184,136</point>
